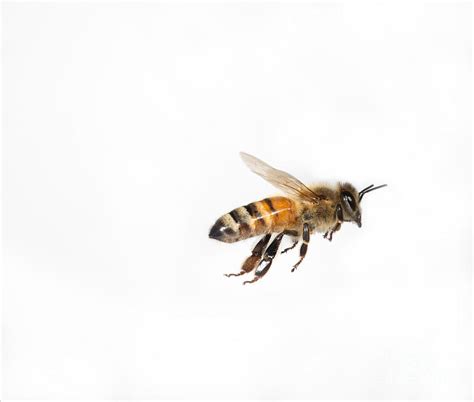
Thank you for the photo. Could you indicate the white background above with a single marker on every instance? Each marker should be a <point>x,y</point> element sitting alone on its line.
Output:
<point>122,129</point>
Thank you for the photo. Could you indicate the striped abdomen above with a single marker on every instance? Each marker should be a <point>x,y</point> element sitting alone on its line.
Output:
<point>274,214</point>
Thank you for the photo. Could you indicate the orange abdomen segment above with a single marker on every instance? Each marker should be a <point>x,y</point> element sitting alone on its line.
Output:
<point>274,214</point>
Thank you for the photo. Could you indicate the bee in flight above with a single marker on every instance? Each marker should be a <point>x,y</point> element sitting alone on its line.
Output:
<point>306,210</point>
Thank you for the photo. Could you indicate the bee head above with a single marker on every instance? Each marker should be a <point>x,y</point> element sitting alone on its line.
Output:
<point>350,201</point>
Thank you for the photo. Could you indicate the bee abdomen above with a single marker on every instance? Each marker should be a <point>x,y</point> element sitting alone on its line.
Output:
<point>254,219</point>
<point>233,226</point>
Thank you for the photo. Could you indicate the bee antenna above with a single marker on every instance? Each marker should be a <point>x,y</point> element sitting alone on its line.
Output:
<point>369,189</point>
<point>365,189</point>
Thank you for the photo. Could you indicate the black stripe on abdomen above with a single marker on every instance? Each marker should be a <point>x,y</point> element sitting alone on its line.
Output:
<point>268,201</point>
<point>253,211</point>
<point>235,216</point>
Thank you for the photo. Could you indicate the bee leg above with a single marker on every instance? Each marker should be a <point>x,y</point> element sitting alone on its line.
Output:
<point>251,262</point>
<point>270,253</point>
<point>291,247</point>
<point>337,226</point>
<point>329,233</point>
<point>304,246</point>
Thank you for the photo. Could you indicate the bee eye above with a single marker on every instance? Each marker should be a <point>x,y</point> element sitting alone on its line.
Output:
<point>350,200</point>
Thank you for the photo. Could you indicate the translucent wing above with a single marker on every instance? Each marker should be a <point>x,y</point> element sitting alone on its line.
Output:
<point>280,179</point>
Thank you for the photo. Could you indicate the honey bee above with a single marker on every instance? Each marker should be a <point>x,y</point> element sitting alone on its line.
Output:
<point>319,208</point>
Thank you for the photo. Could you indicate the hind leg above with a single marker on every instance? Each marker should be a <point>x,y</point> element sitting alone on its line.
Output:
<point>268,258</point>
<point>251,262</point>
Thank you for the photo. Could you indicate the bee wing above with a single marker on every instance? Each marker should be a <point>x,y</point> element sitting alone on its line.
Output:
<point>280,179</point>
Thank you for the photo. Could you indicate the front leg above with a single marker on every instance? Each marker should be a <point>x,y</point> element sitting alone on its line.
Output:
<point>329,233</point>
<point>337,226</point>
